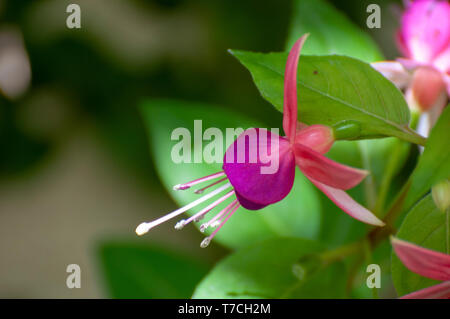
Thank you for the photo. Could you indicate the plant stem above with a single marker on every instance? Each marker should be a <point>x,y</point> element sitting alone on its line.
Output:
<point>369,183</point>
<point>448,229</point>
<point>388,175</point>
<point>378,234</point>
<point>411,136</point>
<point>363,247</point>
<point>396,207</point>
<point>340,253</point>
<point>353,271</point>
<point>371,240</point>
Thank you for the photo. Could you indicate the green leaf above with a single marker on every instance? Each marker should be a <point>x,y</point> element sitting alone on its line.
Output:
<point>425,226</point>
<point>134,270</point>
<point>374,156</point>
<point>298,215</point>
<point>333,90</point>
<point>331,32</point>
<point>381,255</point>
<point>338,228</point>
<point>265,270</point>
<point>434,164</point>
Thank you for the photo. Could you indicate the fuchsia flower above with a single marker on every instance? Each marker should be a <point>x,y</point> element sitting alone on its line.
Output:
<point>303,146</point>
<point>424,70</point>
<point>427,263</point>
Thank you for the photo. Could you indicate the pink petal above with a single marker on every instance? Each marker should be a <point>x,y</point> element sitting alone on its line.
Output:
<point>290,89</point>
<point>401,44</point>
<point>428,87</point>
<point>447,83</point>
<point>439,291</point>
<point>442,61</point>
<point>317,137</point>
<point>410,65</point>
<point>348,204</point>
<point>394,72</point>
<point>426,29</point>
<point>261,167</point>
<point>301,126</point>
<point>425,262</point>
<point>324,170</point>
<point>436,109</point>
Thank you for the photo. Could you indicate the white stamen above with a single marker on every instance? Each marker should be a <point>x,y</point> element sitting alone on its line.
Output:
<point>215,224</point>
<point>205,242</point>
<point>180,187</point>
<point>210,237</point>
<point>201,190</point>
<point>199,218</point>
<point>220,215</point>
<point>201,214</point>
<point>180,224</point>
<point>203,227</point>
<point>145,227</point>
<point>142,229</point>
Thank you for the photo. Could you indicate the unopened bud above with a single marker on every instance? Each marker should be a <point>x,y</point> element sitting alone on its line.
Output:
<point>428,89</point>
<point>441,195</point>
<point>205,242</point>
<point>347,130</point>
<point>317,137</point>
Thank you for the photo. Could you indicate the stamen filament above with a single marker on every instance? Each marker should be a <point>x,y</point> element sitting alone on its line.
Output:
<point>220,220</point>
<point>222,213</point>
<point>201,190</point>
<point>217,222</point>
<point>203,212</point>
<point>197,181</point>
<point>208,239</point>
<point>145,227</point>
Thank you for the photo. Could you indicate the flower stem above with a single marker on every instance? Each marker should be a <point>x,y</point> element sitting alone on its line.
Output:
<point>448,229</point>
<point>363,247</point>
<point>369,183</point>
<point>396,207</point>
<point>340,253</point>
<point>391,167</point>
<point>379,234</point>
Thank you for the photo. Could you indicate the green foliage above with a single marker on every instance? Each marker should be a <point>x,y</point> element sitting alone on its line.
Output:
<point>376,157</point>
<point>298,215</point>
<point>434,164</point>
<point>334,89</point>
<point>270,269</point>
<point>425,226</point>
<point>134,270</point>
<point>331,32</point>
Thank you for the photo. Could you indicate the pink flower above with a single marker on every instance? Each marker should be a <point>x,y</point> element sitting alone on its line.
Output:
<point>246,159</point>
<point>427,263</point>
<point>425,32</point>
<point>424,70</point>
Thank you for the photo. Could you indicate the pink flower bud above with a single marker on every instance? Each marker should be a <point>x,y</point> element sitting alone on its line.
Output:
<point>317,137</point>
<point>428,88</point>
<point>441,195</point>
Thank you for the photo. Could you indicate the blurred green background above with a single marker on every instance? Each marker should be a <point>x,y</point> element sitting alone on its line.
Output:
<point>75,165</point>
